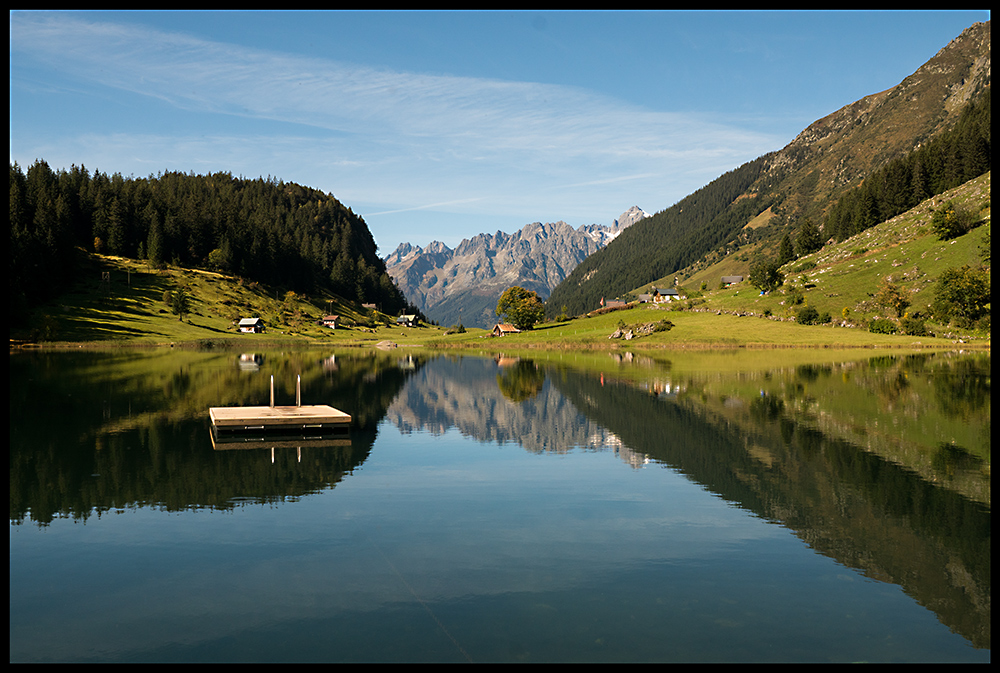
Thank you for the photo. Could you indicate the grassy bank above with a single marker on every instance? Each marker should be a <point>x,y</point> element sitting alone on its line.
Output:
<point>134,313</point>
<point>696,329</point>
<point>118,302</point>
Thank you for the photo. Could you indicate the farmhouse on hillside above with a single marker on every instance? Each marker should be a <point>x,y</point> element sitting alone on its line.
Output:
<point>407,320</point>
<point>255,325</point>
<point>331,321</point>
<point>503,329</point>
<point>731,280</point>
<point>662,296</point>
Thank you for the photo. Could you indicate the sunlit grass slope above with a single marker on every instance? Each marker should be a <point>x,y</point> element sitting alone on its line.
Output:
<point>117,300</point>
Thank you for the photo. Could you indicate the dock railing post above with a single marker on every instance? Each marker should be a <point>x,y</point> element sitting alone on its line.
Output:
<point>272,391</point>
<point>298,390</point>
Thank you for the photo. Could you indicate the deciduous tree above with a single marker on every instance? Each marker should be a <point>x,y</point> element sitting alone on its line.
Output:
<point>951,221</point>
<point>963,294</point>
<point>765,276</point>
<point>890,296</point>
<point>521,308</point>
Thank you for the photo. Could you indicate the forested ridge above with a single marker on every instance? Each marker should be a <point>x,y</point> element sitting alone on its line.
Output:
<point>713,218</point>
<point>669,240</point>
<point>951,159</point>
<point>276,233</point>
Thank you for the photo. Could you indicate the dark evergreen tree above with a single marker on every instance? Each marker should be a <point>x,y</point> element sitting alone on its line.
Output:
<point>809,239</point>
<point>786,253</point>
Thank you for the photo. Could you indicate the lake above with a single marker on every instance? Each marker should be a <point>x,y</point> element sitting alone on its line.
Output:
<point>808,506</point>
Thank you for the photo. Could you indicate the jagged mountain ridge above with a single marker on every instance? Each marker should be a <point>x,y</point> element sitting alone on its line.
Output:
<point>463,285</point>
<point>779,190</point>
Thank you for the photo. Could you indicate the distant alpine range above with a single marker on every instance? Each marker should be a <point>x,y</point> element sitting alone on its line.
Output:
<point>463,285</point>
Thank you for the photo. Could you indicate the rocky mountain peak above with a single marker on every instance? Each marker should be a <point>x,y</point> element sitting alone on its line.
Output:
<point>630,217</point>
<point>437,248</point>
<point>462,285</point>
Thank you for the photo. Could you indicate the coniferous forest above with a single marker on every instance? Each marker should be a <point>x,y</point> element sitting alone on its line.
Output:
<point>955,157</point>
<point>697,224</point>
<point>276,233</point>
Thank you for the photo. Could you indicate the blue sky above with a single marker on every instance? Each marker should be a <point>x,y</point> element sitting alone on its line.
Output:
<point>443,125</point>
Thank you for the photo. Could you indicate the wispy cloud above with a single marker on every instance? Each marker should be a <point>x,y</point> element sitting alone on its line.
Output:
<point>402,139</point>
<point>489,114</point>
<point>428,206</point>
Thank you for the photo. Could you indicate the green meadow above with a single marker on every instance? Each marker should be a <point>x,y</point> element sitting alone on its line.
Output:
<point>131,310</point>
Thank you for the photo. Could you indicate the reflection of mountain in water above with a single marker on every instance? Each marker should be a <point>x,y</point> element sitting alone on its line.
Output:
<point>134,430</point>
<point>845,502</point>
<point>501,400</point>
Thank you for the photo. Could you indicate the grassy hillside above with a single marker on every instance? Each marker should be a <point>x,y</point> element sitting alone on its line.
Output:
<point>844,275</point>
<point>691,329</point>
<point>269,232</point>
<point>115,300</point>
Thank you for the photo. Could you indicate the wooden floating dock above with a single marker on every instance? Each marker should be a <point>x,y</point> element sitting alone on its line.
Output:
<point>279,419</point>
<point>311,419</point>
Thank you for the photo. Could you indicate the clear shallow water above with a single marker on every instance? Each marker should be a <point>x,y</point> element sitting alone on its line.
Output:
<point>523,512</point>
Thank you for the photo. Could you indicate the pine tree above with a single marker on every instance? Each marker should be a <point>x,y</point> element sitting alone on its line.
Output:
<point>809,238</point>
<point>154,244</point>
<point>785,252</point>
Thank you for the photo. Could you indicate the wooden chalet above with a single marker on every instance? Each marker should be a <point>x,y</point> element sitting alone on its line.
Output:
<point>255,325</point>
<point>663,296</point>
<point>503,329</point>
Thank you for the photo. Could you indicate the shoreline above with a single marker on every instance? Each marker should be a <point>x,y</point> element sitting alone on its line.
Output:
<point>236,343</point>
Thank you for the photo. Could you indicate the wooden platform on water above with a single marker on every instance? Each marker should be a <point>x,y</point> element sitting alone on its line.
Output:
<point>312,418</point>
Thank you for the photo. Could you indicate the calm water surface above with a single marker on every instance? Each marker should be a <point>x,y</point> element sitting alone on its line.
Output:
<point>567,508</point>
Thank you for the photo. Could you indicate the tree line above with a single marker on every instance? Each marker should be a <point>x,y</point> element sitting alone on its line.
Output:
<point>266,230</point>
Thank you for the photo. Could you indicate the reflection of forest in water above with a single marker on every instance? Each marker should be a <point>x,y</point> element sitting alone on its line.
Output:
<point>133,428</point>
<point>786,458</point>
<point>882,464</point>
<point>928,413</point>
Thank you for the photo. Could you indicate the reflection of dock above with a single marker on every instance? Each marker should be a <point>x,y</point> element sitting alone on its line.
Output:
<point>243,441</point>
